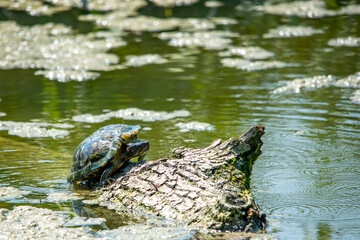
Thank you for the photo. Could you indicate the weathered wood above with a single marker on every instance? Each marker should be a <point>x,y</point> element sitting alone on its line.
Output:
<point>199,187</point>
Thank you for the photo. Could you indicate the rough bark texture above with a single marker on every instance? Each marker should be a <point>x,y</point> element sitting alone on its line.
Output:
<point>199,187</point>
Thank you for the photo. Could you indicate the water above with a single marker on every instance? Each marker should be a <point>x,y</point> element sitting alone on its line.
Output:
<point>306,181</point>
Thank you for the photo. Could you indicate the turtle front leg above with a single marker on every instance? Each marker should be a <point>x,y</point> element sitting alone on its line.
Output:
<point>141,157</point>
<point>105,176</point>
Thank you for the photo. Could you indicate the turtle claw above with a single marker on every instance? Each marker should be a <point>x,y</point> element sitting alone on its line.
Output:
<point>107,182</point>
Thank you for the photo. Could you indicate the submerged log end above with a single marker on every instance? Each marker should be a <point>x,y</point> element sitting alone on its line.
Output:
<point>205,188</point>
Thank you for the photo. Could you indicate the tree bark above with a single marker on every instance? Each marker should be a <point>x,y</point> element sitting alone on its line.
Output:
<point>205,188</point>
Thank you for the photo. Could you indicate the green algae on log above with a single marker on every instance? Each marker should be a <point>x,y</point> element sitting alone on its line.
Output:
<point>202,188</point>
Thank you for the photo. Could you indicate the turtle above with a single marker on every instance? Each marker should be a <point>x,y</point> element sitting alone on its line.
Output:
<point>105,151</point>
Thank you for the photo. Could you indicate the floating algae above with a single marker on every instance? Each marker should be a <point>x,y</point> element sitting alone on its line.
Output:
<point>196,24</point>
<point>247,65</point>
<point>292,31</point>
<point>82,221</point>
<point>119,10</point>
<point>33,7</point>
<point>253,53</point>
<point>53,48</point>
<point>137,24</point>
<point>213,4</point>
<point>352,81</point>
<point>42,223</point>
<point>67,76</point>
<point>37,8</point>
<point>197,126</point>
<point>173,3</point>
<point>309,9</point>
<point>38,223</point>
<point>143,232</point>
<point>300,84</point>
<point>8,193</point>
<point>211,40</point>
<point>136,61</point>
<point>223,21</point>
<point>34,129</point>
<point>345,42</point>
<point>142,23</point>
<point>131,114</point>
<point>356,96</point>
<point>61,197</point>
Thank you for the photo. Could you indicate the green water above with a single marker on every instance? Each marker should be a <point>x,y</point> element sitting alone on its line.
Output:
<point>306,181</point>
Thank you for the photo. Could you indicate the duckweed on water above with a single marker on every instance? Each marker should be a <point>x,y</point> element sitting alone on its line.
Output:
<point>34,129</point>
<point>292,31</point>
<point>132,114</point>
<point>54,48</point>
<point>247,65</point>
<point>197,126</point>
<point>253,53</point>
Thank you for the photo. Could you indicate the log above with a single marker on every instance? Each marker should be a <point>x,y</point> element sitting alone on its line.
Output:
<point>201,188</point>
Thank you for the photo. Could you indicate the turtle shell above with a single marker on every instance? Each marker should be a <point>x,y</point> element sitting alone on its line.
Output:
<point>95,152</point>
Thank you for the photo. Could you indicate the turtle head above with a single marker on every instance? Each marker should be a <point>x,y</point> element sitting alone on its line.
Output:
<point>137,148</point>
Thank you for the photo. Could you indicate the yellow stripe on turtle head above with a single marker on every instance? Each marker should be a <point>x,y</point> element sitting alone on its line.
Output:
<point>125,136</point>
<point>135,132</point>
